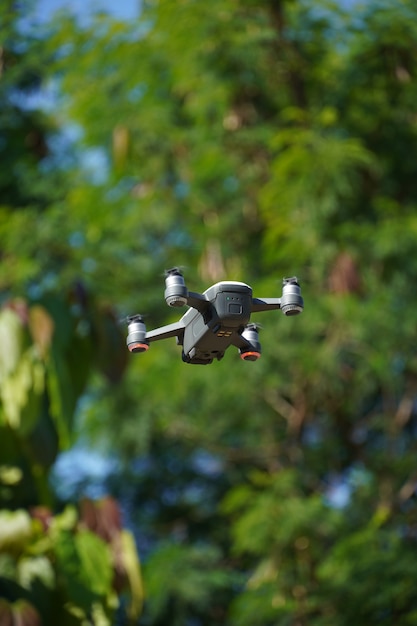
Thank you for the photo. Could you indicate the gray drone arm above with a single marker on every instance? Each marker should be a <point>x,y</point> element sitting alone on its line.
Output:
<point>291,302</point>
<point>197,301</point>
<point>248,343</point>
<point>240,342</point>
<point>265,304</point>
<point>164,332</point>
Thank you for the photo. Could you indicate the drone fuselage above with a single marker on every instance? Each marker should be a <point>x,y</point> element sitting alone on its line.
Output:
<point>209,333</point>
<point>215,320</point>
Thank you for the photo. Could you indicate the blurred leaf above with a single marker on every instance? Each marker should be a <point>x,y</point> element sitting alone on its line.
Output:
<point>32,568</point>
<point>15,530</point>
<point>184,575</point>
<point>10,475</point>
<point>12,340</point>
<point>132,567</point>
<point>42,328</point>
<point>22,392</point>
<point>20,612</point>
<point>84,560</point>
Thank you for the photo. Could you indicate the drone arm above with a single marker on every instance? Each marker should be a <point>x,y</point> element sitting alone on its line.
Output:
<point>164,332</point>
<point>248,343</point>
<point>197,301</point>
<point>240,342</point>
<point>265,304</point>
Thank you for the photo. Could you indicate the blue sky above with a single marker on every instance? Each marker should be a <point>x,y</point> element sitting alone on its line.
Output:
<point>122,9</point>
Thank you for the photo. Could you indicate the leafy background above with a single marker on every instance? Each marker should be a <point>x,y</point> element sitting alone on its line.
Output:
<point>242,140</point>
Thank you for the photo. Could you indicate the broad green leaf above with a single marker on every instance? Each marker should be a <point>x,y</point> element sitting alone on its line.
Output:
<point>133,570</point>
<point>95,560</point>
<point>21,393</point>
<point>12,342</point>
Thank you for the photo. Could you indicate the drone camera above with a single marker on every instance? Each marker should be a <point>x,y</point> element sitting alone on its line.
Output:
<point>253,351</point>
<point>176,292</point>
<point>292,302</point>
<point>136,338</point>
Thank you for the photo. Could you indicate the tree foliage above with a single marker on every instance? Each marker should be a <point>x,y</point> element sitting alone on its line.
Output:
<point>56,566</point>
<point>245,140</point>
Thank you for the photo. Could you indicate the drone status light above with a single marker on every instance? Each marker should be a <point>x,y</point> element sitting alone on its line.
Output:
<point>215,319</point>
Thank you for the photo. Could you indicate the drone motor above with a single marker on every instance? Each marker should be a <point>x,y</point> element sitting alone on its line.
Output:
<point>176,291</point>
<point>253,352</point>
<point>291,302</point>
<point>136,338</point>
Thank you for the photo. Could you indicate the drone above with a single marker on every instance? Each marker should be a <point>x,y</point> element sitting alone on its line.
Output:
<point>216,319</point>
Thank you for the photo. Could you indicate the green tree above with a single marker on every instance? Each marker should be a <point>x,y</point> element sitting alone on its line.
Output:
<point>55,566</point>
<point>252,140</point>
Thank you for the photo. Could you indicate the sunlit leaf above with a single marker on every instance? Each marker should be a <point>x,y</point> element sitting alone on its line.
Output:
<point>15,530</point>
<point>133,570</point>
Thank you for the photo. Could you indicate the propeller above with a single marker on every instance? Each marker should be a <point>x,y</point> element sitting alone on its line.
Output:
<point>174,271</point>
<point>138,317</point>
<point>127,319</point>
